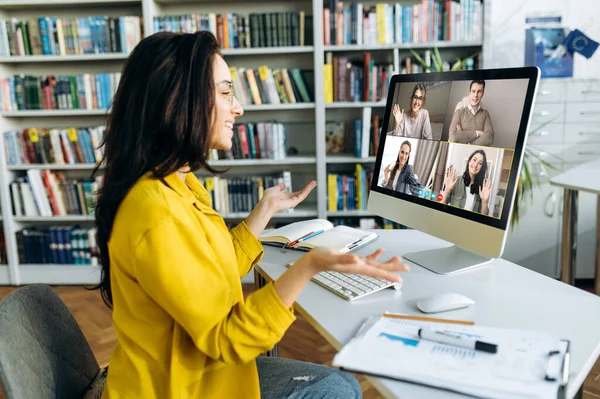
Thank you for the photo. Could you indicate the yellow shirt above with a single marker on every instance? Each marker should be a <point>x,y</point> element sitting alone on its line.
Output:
<point>183,327</point>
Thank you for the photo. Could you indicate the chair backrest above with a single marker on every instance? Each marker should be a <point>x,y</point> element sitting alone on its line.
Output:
<point>43,353</point>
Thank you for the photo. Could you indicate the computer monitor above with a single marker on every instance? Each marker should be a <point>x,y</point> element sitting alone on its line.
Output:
<point>449,157</point>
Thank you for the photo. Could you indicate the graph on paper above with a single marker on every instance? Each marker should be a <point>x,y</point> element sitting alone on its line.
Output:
<point>453,352</point>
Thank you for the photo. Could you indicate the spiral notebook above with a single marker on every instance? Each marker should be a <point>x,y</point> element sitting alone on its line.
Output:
<point>528,364</point>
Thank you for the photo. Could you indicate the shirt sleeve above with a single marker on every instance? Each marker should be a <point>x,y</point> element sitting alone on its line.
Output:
<point>248,249</point>
<point>177,267</point>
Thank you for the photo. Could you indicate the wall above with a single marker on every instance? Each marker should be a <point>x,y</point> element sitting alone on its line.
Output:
<point>505,31</point>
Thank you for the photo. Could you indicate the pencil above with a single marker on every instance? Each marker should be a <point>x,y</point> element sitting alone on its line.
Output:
<point>421,318</point>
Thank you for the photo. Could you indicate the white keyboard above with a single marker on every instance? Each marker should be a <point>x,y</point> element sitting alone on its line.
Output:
<point>352,286</point>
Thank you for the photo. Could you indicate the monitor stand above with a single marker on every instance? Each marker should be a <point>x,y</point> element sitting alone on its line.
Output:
<point>447,260</point>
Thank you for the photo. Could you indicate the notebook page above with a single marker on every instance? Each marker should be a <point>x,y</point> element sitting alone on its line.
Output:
<point>336,238</point>
<point>295,230</point>
<point>392,348</point>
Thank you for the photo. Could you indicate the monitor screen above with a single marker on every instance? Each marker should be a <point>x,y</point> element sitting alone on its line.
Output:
<point>452,142</point>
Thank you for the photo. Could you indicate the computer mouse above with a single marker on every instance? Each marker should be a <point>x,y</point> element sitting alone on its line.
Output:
<point>443,302</point>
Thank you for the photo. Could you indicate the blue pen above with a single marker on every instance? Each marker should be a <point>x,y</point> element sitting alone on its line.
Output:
<point>316,233</point>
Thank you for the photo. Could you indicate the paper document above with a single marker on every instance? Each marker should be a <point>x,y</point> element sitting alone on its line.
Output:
<point>391,348</point>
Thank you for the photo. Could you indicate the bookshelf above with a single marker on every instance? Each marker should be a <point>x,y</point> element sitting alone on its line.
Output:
<point>305,122</point>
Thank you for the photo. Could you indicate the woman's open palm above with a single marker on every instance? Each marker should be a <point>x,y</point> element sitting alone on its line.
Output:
<point>398,115</point>
<point>450,178</point>
<point>279,200</point>
<point>326,259</point>
<point>485,190</point>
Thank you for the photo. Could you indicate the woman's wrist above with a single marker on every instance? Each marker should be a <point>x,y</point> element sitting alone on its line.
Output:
<point>259,218</point>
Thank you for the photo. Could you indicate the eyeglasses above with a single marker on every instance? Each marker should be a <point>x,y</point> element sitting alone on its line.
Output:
<point>226,84</point>
<point>419,98</point>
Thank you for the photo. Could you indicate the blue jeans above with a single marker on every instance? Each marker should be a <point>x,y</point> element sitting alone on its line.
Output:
<point>292,379</point>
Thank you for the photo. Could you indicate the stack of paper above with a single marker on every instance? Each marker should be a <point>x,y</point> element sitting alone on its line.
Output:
<point>391,348</point>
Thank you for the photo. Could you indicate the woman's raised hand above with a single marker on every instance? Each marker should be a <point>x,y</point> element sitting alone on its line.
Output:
<point>326,259</point>
<point>485,190</point>
<point>450,178</point>
<point>398,115</point>
<point>278,200</point>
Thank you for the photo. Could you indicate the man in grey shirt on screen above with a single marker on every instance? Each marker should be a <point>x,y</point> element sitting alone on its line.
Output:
<point>472,124</point>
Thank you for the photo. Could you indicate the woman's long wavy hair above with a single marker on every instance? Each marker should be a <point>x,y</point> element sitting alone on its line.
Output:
<point>161,120</point>
<point>478,180</point>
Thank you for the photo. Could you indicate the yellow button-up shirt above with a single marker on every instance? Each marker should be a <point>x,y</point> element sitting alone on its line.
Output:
<point>183,327</point>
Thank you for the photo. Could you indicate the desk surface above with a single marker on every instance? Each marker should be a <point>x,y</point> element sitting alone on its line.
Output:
<point>506,295</point>
<point>581,178</point>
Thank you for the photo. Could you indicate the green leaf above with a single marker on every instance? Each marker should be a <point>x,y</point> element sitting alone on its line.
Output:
<point>420,60</point>
<point>437,60</point>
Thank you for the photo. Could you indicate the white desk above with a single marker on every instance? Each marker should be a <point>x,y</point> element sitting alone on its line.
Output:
<point>586,178</point>
<point>506,295</point>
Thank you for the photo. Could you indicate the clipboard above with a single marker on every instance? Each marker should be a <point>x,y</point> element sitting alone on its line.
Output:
<point>384,347</point>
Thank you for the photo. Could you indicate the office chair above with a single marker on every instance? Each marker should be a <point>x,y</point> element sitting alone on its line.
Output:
<point>43,353</point>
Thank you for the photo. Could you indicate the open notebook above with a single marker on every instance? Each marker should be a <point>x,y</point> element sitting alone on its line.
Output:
<point>528,363</point>
<point>309,234</point>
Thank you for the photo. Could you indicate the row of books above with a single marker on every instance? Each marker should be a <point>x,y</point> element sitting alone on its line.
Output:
<point>426,21</point>
<point>66,36</point>
<point>349,192</point>
<point>84,91</point>
<point>58,146</point>
<point>241,31</point>
<point>241,194</point>
<point>272,86</point>
<point>60,245</point>
<point>359,137</point>
<point>49,193</point>
<point>347,79</point>
<point>262,140</point>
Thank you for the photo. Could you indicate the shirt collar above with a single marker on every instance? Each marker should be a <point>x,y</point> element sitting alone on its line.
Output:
<point>473,110</point>
<point>191,190</point>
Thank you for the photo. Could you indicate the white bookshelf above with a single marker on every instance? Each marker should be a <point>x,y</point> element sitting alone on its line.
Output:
<point>25,59</point>
<point>356,213</point>
<point>53,113</point>
<point>313,163</point>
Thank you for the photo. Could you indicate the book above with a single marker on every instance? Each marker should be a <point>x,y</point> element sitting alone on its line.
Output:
<point>527,363</point>
<point>308,234</point>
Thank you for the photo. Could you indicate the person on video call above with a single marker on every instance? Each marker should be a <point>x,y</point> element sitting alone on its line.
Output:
<point>399,175</point>
<point>472,124</point>
<point>472,190</point>
<point>415,122</point>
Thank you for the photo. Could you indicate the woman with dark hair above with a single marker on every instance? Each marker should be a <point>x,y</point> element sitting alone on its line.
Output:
<point>415,122</point>
<point>399,175</point>
<point>472,191</point>
<point>171,270</point>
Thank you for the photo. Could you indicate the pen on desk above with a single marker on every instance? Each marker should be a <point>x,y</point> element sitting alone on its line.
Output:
<point>456,340</point>
<point>431,319</point>
<point>297,240</point>
<point>311,235</point>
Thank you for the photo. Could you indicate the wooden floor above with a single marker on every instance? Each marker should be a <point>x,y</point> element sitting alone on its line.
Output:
<point>301,342</point>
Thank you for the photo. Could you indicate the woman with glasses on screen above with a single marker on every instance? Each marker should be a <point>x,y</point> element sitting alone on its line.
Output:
<point>399,175</point>
<point>415,122</point>
<point>472,190</point>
